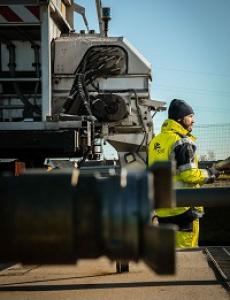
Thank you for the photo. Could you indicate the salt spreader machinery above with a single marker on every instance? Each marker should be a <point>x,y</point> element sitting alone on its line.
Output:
<point>63,92</point>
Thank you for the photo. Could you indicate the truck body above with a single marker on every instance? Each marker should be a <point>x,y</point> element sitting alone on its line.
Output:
<point>63,92</point>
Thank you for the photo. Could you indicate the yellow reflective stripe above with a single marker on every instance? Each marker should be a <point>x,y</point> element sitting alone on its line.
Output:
<point>182,141</point>
<point>187,166</point>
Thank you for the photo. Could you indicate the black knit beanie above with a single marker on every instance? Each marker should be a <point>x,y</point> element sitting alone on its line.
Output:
<point>178,109</point>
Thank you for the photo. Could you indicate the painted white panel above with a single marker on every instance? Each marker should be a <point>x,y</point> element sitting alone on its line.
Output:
<point>123,83</point>
<point>2,19</point>
<point>24,56</point>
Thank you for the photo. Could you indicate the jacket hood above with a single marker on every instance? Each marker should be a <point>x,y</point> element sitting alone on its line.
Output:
<point>171,125</point>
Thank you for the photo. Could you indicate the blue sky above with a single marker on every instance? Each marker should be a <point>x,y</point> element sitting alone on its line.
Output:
<point>187,43</point>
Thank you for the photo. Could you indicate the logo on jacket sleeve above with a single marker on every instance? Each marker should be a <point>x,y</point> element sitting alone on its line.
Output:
<point>157,148</point>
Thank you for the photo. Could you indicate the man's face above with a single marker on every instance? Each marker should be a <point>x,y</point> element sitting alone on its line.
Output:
<point>188,122</point>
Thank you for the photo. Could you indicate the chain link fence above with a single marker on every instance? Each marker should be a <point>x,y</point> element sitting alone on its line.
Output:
<point>213,141</point>
<point>213,144</point>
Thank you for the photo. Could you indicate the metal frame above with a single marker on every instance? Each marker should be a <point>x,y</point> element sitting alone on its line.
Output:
<point>207,197</point>
<point>46,61</point>
<point>9,2</point>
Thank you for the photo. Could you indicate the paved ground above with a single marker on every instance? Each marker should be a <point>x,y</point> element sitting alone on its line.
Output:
<point>97,279</point>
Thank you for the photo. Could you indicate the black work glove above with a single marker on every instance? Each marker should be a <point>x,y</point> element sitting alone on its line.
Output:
<point>214,172</point>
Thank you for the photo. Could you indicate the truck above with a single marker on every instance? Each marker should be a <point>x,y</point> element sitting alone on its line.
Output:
<point>65,92</point>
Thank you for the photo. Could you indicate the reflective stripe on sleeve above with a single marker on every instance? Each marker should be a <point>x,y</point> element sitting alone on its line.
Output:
<point>187,167</point>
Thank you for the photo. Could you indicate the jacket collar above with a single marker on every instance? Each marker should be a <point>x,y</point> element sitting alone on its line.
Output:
<point>171,125</point>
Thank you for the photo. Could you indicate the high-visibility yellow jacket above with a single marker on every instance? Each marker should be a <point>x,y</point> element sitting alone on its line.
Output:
<point>175,143</point>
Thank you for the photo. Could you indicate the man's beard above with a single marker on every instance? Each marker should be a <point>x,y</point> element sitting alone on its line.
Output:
<point>187,127</point>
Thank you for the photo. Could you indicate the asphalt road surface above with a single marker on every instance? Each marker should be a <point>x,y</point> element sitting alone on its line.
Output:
<point>97,279</point>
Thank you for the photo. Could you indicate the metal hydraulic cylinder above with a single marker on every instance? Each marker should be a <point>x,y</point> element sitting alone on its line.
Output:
<point>60,217</point>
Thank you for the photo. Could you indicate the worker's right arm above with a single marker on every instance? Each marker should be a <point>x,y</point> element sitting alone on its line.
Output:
<point>187,165</point>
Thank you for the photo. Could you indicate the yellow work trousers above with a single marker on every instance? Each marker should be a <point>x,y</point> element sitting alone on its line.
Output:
<point>189,239</point>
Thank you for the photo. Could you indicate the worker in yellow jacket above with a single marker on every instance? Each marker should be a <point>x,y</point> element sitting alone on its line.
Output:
<point>176,143</point>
